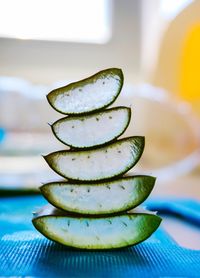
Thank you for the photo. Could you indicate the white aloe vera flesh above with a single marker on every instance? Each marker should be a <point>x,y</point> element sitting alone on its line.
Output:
<point>90,94</point>
<point>92,129</point>
<point>97,164</point>
<point>96,233</point>
<point>99,198</point>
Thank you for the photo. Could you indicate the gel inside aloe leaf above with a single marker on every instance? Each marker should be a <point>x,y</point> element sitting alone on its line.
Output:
<point>92,129</point>
<point>98,164</point>
<point>93,93</point>
<point>101,197</point>
<point>96,232</point>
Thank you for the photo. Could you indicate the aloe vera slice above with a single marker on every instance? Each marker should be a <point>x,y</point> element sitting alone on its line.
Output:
<point>90,94</point>
<point>99,198</point>
<point>97,164</point>
<point>96,232</point>
<point>86,131</point>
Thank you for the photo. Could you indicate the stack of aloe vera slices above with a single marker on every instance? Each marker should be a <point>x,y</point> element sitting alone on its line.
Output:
<point>94,207</point>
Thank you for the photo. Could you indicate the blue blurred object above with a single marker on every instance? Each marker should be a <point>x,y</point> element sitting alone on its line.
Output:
<point>2,134</point>
<point>25,252</point>
<point>189,209</point>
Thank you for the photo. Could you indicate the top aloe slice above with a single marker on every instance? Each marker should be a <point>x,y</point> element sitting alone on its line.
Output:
<point>90,94</point>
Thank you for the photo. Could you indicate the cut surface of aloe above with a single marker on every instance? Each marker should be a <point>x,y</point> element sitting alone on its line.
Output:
<point>97,164</point>
<point>93,93</point>
<point>99,198</point>
<point>96,233</point>
<point>92,129</point>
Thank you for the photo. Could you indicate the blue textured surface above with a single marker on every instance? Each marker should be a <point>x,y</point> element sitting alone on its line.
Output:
<point>186,208</point>
<point>24,252</point>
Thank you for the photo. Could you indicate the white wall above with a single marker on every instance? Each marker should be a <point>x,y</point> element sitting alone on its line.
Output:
<point>47,62</point>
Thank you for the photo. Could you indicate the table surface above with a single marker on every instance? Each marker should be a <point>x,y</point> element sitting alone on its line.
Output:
<point>24,252</point>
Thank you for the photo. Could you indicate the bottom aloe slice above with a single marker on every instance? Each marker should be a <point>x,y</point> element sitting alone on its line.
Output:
<point>99,198</point>
<point>96,233</point>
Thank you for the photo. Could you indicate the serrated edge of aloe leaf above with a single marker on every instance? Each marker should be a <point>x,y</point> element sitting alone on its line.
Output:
<point>95,113</point>
<point>94,148</point>
<point>111,212</point>
<point>156,217</point>
<point>120,74</point>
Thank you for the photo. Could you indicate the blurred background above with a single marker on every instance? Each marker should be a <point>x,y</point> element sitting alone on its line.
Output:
<point>46,44</point>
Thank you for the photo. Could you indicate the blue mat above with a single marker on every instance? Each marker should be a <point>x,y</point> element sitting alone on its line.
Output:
<point>189,209</point>
<point>24,252</point>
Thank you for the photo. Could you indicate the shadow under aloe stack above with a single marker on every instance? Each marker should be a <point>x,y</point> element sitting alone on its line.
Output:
<point>96,207</point>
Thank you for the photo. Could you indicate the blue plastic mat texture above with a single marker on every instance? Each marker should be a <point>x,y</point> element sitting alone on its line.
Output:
<point>24,252</point>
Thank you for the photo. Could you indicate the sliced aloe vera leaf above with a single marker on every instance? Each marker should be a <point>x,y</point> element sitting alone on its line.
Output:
<point>96,232</point>
<point>97,164</point>
<point>99,198</point>
<point>90,94</point>
<point>86,130</point>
